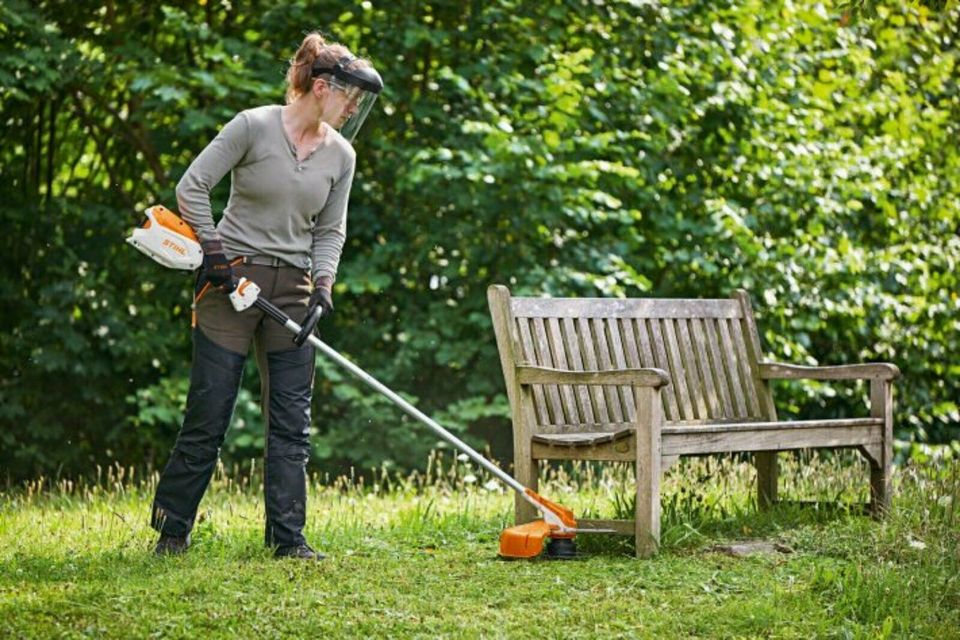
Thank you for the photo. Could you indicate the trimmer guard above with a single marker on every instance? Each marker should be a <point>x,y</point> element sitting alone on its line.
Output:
<point>525,540</point>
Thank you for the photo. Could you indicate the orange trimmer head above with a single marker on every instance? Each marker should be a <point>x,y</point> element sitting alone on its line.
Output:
<point>527,540</point>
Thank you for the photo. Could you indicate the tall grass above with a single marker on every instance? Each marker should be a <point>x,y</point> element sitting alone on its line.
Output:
<point>700,497</point>
<point>75,556</point>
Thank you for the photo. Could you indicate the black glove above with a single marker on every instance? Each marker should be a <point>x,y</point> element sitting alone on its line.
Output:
<point>216,268</point>
<point>321,304</point>
<point>322,298</point>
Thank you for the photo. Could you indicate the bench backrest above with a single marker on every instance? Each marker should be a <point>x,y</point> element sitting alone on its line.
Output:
<point>710,349</point>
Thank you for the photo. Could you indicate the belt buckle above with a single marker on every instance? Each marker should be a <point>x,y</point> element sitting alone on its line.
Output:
<point>263,261</point>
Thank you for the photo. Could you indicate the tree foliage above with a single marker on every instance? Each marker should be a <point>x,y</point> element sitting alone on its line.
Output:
<point>804,151</point>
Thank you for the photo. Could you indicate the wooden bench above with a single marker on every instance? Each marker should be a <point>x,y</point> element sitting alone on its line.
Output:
<point>649,380</point>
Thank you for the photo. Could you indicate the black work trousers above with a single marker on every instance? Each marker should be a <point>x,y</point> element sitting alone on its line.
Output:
<point>221,340</point>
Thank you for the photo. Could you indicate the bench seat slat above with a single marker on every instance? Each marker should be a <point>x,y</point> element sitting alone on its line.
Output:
<point>842,427</point>
<point>767,426</point>
<point>582,439</point>
<point>782,436</point>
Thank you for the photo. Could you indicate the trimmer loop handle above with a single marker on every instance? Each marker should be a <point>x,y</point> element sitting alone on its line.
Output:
<point>309,324</point>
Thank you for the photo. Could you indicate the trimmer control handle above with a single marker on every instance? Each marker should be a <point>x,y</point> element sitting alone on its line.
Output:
<point>309,324</point>
<point>244,294</point>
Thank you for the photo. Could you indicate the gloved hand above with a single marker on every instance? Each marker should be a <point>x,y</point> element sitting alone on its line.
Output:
<point>320,304</point>
<point>215,268</point>
<point>322,296</point>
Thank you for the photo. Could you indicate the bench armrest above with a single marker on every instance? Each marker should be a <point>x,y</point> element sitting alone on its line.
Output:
<point>870,371</point>
<point>639,377</point>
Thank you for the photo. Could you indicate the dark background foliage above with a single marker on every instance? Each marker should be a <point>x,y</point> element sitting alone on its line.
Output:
<point>804,151</point>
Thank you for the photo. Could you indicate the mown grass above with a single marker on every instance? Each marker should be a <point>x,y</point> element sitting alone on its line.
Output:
<point>416,556</point>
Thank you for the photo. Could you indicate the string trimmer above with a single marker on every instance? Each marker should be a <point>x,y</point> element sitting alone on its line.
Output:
<point>522,541</point>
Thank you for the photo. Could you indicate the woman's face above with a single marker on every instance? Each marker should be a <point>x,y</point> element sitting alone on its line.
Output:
<point>338,104</point>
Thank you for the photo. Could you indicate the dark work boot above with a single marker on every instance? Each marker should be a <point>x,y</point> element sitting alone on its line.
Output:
<point>172,545</point>
<point>288,385</point>
<point>214,382</point>
<point>300,552</point>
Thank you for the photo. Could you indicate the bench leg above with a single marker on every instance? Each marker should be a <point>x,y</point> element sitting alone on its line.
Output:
<point>881,457</point>
<point>768,472</point>
<point>879,489</point>
<point>647,512</point>
<point>526,474</point>
<point>647,465</point>
<point>879,478</point>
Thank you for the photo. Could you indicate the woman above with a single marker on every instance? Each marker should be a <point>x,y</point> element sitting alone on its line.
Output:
<point>284,228</point>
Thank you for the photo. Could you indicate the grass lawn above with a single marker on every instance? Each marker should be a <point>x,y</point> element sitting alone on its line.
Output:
<point>416,556</point>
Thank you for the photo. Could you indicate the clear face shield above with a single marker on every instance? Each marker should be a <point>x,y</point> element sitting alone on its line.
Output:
<point>358,87</point>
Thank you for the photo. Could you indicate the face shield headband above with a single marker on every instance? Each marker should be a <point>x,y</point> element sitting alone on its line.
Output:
<point>361,87</point>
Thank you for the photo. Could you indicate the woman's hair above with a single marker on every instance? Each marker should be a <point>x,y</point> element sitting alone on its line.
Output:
<point>313,48</point>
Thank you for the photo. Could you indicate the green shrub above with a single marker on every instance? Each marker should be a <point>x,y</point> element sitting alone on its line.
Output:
<point>799,150</point>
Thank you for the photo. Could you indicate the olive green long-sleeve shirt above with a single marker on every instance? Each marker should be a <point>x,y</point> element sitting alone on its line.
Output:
<point>279,206</point>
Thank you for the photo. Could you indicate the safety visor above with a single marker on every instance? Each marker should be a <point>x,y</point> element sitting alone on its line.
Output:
<point>360,85</point>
